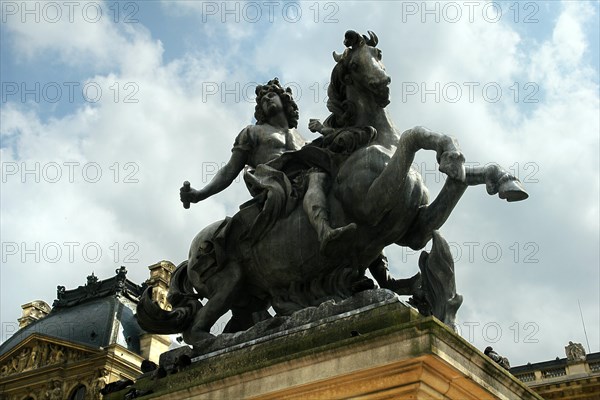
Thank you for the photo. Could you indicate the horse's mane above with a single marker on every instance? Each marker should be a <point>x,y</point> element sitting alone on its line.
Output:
<point>342,110</point>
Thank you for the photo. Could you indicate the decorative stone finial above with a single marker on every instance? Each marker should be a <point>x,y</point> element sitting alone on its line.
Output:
<point>575,352</point>
<point>33,311</point>
<point>91,279</point>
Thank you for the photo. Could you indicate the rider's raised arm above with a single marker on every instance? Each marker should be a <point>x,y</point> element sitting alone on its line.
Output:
<point>243,147</point>
<point>225,176</point>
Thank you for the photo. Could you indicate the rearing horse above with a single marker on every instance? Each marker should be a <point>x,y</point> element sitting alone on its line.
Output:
<point>358,93</point>
<point>375,187</point>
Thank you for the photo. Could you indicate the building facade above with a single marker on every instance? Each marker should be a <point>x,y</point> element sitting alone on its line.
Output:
<point>577,376</point>
<point>87,339</point>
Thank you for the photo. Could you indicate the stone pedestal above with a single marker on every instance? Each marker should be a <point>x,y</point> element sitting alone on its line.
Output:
<point>379,351</point>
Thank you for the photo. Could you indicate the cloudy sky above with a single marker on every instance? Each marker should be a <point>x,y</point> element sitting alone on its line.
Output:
<point>107,107</point>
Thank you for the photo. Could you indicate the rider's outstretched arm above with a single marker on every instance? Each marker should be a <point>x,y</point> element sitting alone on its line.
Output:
<point>225,176</point>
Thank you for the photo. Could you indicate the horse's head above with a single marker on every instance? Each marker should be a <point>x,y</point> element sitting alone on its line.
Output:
<point>359,66</point>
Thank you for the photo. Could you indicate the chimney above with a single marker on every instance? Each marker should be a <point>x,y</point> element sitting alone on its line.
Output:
<point>160,277</point>
<point>33,311</point>
<point>153,345</point>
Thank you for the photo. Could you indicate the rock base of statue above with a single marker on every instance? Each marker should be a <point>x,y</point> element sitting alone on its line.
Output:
<point>276,327</point>
<point>370,345</point>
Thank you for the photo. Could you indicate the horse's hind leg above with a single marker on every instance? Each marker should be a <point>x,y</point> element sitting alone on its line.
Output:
<point>379,270</point>
<point>247,311</point>
<point>223,289</point>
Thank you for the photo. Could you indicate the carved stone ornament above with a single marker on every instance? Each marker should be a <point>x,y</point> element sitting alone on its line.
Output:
<point>322,212</point>
<point>575,352</point>
<point>95,288</point>
<point>38,354</point>
<point>97,382</point>
<point>55,391</point>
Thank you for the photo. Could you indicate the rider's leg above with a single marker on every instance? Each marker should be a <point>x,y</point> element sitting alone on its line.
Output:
<point>224,287</point>
<point>316,208</point>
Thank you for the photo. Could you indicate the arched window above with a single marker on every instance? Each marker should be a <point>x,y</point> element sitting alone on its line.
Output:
<point>78,393</point>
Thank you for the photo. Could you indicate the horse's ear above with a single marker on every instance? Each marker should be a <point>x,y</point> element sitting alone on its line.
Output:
<point>352,39</point>
<point>337,57</point>
<point>372,40</point>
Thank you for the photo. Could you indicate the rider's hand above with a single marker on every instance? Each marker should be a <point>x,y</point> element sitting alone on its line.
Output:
<point>314,125</point>
<point>189,195</point>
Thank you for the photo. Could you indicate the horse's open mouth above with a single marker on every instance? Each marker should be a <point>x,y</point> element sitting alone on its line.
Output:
<point>381,94</point>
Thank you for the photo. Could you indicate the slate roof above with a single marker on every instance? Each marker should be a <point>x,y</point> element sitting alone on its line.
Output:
<point>557,363</point>
<point>97,314</point>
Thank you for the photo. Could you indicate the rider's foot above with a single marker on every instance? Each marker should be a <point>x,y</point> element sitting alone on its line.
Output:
<point>336,241</point>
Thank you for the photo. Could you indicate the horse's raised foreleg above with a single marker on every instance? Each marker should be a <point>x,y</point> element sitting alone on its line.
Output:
<point>497,181</point>
<point>391,189</point>
<point>432,216</point>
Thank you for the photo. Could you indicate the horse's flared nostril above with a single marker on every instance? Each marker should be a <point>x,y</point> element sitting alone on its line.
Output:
<point>381,84</point>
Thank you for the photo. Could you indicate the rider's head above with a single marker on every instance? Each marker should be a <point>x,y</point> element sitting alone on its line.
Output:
<point>290,108</point>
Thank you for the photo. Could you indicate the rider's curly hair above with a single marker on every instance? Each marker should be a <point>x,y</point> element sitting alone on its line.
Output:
<point>290,108</point>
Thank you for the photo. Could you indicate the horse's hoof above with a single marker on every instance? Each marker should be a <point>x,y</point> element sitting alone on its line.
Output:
<point>194,337</point>
<point>512,190</point>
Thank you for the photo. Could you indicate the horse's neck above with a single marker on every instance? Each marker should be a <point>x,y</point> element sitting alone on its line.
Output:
<point>368,113</point>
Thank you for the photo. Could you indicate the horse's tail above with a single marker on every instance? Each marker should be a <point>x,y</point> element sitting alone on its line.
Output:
<point>185,304</point>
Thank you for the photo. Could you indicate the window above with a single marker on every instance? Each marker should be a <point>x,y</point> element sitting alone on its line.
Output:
<point>78,393</point>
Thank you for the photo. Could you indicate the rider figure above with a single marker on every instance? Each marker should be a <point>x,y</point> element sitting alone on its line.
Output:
<point>275,132</point>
